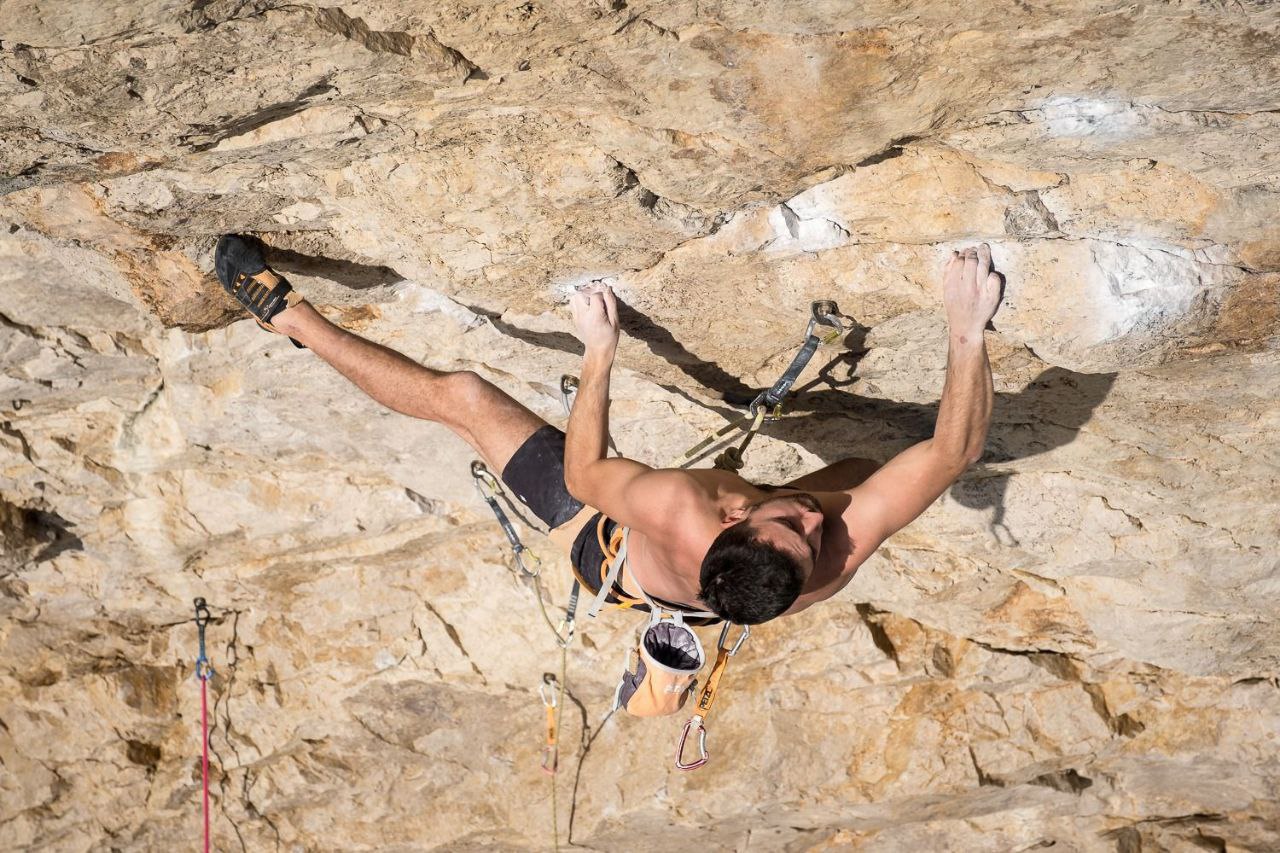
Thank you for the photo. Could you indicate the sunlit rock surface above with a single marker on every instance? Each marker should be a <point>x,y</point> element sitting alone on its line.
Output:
<point>1076,648</point>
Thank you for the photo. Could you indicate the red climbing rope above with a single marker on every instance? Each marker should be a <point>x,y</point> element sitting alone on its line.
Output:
<point>204,763</point>
<point>204,672</point>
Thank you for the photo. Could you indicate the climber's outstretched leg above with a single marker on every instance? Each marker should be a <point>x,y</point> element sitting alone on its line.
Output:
<point>516,444</point>
<point>482,414</point>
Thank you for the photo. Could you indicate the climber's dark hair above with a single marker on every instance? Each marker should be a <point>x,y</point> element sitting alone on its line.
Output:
<point>746,580</point>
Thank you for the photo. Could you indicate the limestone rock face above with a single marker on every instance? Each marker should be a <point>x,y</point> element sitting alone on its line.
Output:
<point>1077,647</point>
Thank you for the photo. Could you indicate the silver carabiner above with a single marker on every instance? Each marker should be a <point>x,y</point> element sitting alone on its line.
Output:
<point>484,479</point>
<point>548,696</point>
<point>525,571</point>
<point>568,388</point>
<point>724,635</point>
<point>565,631</point>
<point>825,312</point>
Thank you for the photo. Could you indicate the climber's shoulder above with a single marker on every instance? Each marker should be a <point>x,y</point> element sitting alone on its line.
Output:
<point>714,482</point>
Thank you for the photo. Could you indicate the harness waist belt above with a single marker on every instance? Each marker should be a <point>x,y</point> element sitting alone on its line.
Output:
<point>598,545</point>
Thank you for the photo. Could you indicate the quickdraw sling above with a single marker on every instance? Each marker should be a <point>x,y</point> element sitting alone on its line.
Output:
<point>204,672</point>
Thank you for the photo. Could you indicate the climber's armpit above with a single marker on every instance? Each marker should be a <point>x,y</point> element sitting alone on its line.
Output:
<point>635,495</point>
<point>839,476</point>
<point>895,495</point>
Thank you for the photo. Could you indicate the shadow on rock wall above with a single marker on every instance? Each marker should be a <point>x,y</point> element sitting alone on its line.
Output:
<point>1045,415</point>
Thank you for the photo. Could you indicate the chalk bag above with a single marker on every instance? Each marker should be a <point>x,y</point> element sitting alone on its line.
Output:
<point>662,670</point>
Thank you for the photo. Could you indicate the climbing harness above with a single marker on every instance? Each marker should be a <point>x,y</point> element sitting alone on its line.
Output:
<point>768,404</point>
<point>204,671</point>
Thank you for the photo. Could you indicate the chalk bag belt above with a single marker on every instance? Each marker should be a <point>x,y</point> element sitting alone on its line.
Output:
<point>707,698</point>
<point>204,671</point>
<point>768,404</point>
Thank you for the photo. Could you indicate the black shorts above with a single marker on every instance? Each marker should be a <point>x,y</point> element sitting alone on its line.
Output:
<point>535,474</point>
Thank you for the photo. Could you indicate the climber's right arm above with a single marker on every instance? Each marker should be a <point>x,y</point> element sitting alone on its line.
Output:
<point>629,492</point>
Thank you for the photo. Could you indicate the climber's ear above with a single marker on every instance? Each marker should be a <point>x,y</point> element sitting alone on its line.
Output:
<point>730,517</point>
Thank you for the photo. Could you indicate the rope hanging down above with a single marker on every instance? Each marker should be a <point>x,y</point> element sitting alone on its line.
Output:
<point>204,671</point>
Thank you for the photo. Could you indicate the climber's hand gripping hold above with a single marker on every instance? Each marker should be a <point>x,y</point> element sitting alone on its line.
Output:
<point>595,316</point>
<point>971,291</point>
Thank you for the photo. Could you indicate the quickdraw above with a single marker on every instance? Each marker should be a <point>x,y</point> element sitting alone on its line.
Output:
<point>550,701</point>
<point>769,403</point>
<point>204,671</point>
<point>707,698</point>
<point>489,489</point>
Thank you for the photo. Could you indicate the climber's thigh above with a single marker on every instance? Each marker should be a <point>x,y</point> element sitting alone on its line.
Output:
<point>490,420</point>
<point>836,477</point>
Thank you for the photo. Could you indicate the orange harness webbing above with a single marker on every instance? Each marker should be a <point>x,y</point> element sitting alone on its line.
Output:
<point>610,550</point>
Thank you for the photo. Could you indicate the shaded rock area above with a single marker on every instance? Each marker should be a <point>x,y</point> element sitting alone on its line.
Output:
<point>1075,649</point>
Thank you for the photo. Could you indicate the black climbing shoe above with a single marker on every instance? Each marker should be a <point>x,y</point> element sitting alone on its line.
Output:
<point>236,260</point>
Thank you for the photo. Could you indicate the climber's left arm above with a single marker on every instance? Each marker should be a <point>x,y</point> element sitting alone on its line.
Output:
<point>896,494</point>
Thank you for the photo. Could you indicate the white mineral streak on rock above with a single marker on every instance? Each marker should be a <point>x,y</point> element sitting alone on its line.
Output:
<point>1142,289</point>
<point>1068,116</point>
<point>1076,647</point>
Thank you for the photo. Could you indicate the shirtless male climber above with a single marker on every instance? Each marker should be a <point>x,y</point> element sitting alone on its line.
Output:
<point>699,539</point>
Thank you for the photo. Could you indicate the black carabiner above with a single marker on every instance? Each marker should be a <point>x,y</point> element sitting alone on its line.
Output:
<point>204,670</point>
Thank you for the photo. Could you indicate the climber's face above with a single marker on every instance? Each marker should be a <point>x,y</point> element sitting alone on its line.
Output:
<point>791,523</point>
